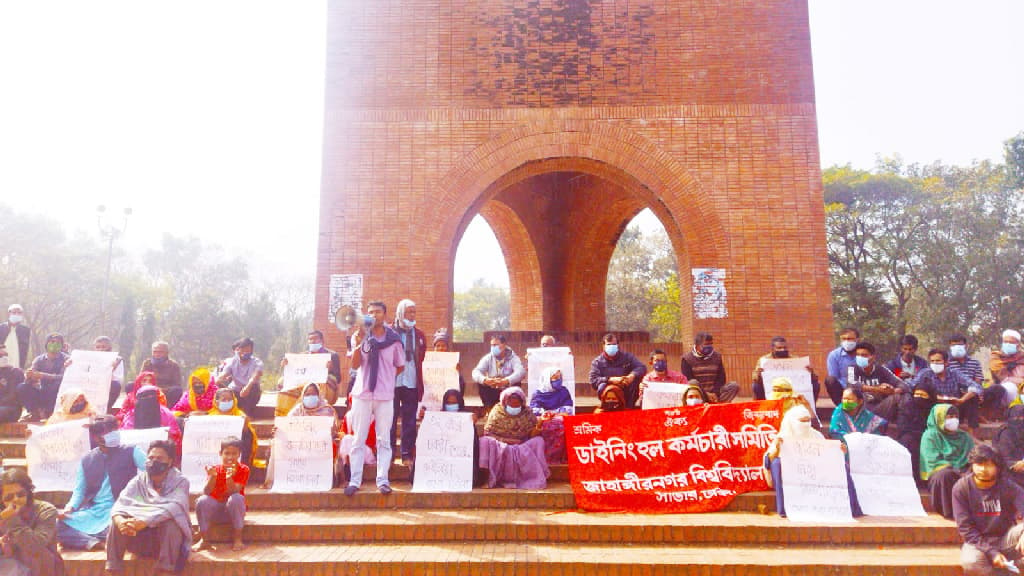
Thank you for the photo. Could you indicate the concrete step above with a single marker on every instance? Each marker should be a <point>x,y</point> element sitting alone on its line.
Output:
<point>399,525</point>
<point>472,558</point>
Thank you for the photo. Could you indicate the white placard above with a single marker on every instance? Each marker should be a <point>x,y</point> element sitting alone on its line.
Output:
<point>200,445</point>
<point>446,358</point>
<point>814,481</point>
<point>796,370</point>
<point>883,476</point>
<point>539,359</point>
<point>142,438</point>
<point>444,453</point>
<point>303,454</point>
<point>305,369</point>
<point>90,371</point>
<point>663,395</point>
<point>437,379</point>
<point>53,453</point>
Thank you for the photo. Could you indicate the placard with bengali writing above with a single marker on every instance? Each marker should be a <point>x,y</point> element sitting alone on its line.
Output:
<point>143,437</point>
<point>793,368</point>
<point>303,454</point>
<point>200,445</point>
<point>438,378</point>
<point>444,453</point>
<point>814,480</point>
<point>663,395</point>
<point>670,460</point>
<point>883,476</point>
<point>90,371</point>
<point>53,453</point>
<point>305,369</point>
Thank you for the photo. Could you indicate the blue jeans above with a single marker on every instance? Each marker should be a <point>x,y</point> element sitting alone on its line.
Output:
<point>74,539</point>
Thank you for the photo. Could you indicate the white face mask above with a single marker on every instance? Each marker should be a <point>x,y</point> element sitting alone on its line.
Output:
<point>803,427</point>
<point>952,424</point>
<point>694,401</point>
<point>848,345</point>
<point>15,318</point>
<point>314,347</point>
<point>513,410</point>
<point>937,368</point>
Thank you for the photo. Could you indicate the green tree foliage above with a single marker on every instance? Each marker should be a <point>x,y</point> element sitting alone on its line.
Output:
<point>1014,153</point>
<point>484,307</point>
<point>643,285</point>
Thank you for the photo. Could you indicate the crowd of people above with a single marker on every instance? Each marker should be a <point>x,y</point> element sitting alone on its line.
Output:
<point>125,499</point>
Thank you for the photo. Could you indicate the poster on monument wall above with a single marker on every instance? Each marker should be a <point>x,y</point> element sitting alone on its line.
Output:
<point>883,476</point>
<point>345,290</point>
<point>814,481</point>
<point>709,297</point>
<point>200,445</point>
<point>53,453</point>
<point>90,371</point>
<point>683,459</point>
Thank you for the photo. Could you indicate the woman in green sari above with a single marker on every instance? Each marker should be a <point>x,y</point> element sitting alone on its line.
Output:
<point>852,416</point>
<point>944,449</point>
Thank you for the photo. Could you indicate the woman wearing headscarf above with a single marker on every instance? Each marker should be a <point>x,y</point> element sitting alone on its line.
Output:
<point>201,391</point>
<point>452,401</point>
<point>693,395</point>
<point>511,450</point>
<point>28,529</point>
<point>143,379</point>
<point>612,398</point>
<point>796,425</point>
<point>782,389</point>
<point>550,402</point>
<point>912,420</point>
<point>226,404</point>
<point>944,449</point>
<point>852,416</point>
<point>150,411</point>
<point>72,405</point>
<point>1009,442</point>
<point>312,402</point>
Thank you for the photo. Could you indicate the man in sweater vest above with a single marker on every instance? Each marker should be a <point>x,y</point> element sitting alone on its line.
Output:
<point>704,364</point>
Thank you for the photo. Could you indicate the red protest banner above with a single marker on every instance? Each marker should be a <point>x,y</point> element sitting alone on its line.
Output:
<point>670,460</point>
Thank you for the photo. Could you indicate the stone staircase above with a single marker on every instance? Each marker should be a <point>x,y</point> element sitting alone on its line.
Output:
<point>495,532</point>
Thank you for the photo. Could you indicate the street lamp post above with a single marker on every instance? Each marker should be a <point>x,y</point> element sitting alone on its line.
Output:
<point>109,232</point>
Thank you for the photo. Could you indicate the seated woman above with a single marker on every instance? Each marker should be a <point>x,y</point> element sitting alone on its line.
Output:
<point>944,449</point>
<point>29,529</point>
<point>912,420</point>
<point>694,395</point>
<point>143,379</point>
<point>452,401</point>
<point>511,450</point>
<point>852,416</point>
<point>150,411</point>
<point>312,403</point>
<point>226,404</point>
<point>201,391</point>
<point>1009,442</point>
<point>612,398</point>
<point>72,405</point>
<point>796,425</point>
<point>550,402</point>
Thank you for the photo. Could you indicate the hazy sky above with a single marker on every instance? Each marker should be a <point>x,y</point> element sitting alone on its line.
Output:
<point>205,116</point>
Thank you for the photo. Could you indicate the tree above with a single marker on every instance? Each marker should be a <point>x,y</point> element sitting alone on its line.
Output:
<point>1014,154</point>
<point>638,295</point>
<point>483,307</point>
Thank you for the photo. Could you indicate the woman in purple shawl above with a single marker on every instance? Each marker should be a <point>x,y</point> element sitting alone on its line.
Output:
<point>550,402</point>
<point>511,448</point>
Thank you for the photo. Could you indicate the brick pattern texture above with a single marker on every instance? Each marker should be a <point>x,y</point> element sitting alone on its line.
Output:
<point>558,121</point>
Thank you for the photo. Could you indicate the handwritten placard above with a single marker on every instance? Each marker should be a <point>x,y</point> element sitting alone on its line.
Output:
<point>450,359</point>
<point>814,481</point>
<point>793,368</point>
<point>303,454</point>
<point>90,371</point>
<point>444,453</point>
<point>684,459</point>
<point>663,395</point>
<point>142,438</point>
<point>200,445</point>
<point>303,369</point>
<point>540,359</point>
<point>53,453</point>
<point>883,476</point>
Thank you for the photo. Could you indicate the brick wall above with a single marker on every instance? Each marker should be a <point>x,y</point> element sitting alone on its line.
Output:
<point>558,121</point>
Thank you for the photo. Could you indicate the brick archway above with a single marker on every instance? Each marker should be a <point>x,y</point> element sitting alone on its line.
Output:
<point>570,292</point>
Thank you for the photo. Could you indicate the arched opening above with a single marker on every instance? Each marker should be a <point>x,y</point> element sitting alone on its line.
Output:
<point>643,289</point>
<point>481,299</point>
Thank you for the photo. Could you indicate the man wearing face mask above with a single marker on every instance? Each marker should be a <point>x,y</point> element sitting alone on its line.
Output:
<point>839,362</point>
<point>780,349</point>
<point>951,387</point>
<point>168,372</point>
<point>14,335</point>
<point>38,393</point>
<point>1007,364</point>
<point>408,384</point>
<point>615,367</point>
<point>907,363</point>
<point>497,370</point>
<point>882,389</point>
<point>242,376</point>
<point>151,516</point>
<point>704,364</point>
<point>315,343</point>
<point>10,378</point>
<point>102,475</point>
<point>659,373</point>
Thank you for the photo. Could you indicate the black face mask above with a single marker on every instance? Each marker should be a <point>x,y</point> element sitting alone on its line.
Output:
<point>780,354</point>
<point>198,390</point>
<point>156,467</point>
<point>78,406</point>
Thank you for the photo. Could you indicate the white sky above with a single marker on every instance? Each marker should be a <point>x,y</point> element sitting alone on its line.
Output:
<point>205,116</point>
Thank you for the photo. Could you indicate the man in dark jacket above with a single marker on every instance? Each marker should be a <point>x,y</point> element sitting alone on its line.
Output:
<point>10,377</point>
<point>14,334</point>
<point>617,368</point>
<point>704,364</point>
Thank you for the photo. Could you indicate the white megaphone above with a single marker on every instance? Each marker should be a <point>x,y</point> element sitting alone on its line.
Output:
<point>345,317</point>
